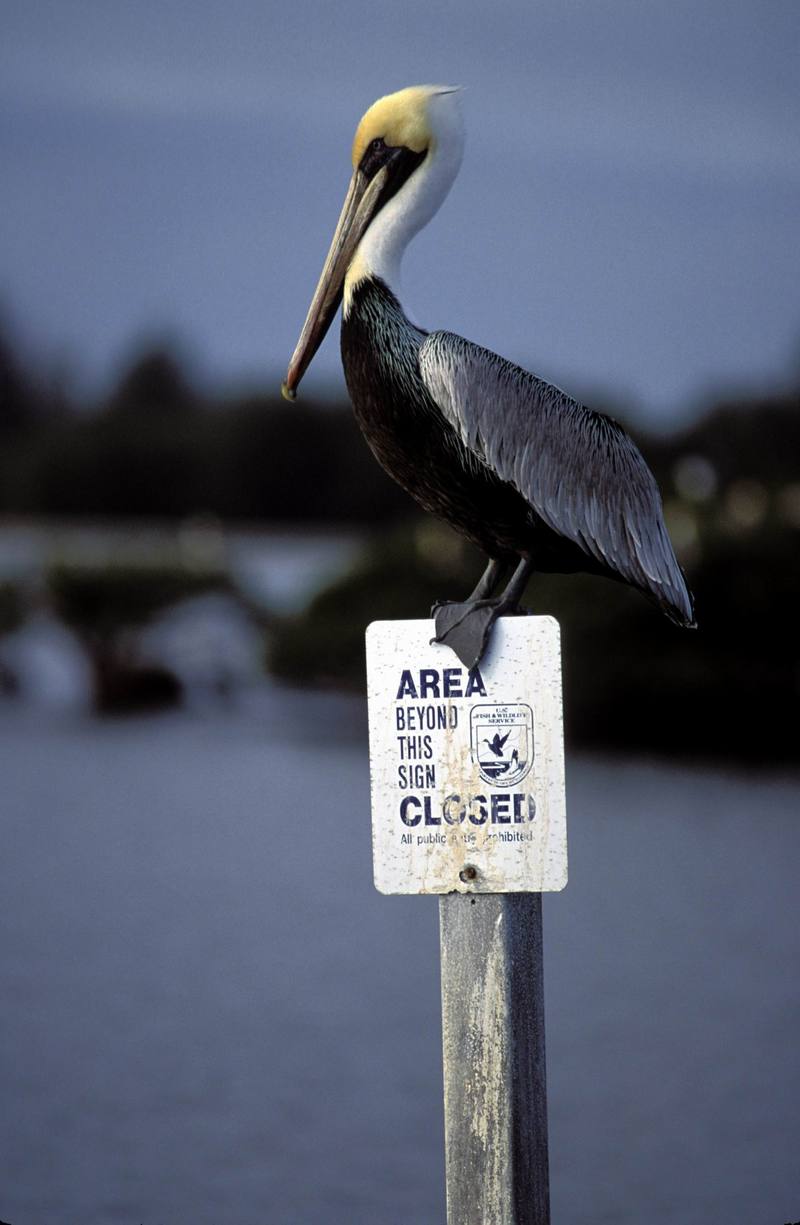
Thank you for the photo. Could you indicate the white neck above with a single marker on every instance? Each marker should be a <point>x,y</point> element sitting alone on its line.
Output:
<point>381,250</point>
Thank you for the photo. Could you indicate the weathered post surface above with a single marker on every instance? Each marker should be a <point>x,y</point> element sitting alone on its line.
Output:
<point>467,771</point>
<point>495,1099</point>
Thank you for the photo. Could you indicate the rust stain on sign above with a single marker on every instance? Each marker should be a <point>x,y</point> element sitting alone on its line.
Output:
<point>467,767</point>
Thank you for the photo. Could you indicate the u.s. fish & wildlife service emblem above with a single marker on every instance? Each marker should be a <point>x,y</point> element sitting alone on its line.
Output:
<point>501,741</point>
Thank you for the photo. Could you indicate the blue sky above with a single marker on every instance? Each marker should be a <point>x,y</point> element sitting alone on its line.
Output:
<point>627,219</point>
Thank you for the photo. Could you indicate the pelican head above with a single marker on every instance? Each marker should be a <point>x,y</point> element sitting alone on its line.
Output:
<point>406,154</point>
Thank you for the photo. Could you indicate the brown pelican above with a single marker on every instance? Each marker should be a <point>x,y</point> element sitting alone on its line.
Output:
<point>526,473</point>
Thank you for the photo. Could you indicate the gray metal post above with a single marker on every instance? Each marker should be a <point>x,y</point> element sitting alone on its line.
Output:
<point>495,1099</point>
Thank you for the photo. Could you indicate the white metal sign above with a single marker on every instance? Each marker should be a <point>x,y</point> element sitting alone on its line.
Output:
<point>467,767</point>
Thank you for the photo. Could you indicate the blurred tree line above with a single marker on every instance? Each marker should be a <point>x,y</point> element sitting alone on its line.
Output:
<point>157,447</point>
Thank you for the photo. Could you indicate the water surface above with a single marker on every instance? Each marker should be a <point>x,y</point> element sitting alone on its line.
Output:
<point>209,1016</point>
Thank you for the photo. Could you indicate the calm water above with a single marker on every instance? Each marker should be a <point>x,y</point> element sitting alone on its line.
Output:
<point>209,1016</point>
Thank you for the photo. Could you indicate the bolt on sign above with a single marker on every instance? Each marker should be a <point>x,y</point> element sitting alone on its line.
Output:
<point>467,766</point>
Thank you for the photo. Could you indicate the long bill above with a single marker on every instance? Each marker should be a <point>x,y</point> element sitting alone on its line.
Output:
<point>360,206</point>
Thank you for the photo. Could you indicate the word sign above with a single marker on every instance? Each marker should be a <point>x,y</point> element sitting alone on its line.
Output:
<point>467,767</point>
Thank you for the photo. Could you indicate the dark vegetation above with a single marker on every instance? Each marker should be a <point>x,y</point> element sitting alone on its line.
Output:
<point>632,680</point>
<point>158,448</point>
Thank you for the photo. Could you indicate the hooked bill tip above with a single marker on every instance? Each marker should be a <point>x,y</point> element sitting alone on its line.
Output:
<point>287,392</point>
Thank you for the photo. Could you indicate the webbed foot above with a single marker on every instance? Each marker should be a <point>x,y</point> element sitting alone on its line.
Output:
<point>466,628</point>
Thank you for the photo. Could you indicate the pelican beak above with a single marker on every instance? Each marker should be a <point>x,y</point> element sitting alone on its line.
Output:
<point>361,204</point>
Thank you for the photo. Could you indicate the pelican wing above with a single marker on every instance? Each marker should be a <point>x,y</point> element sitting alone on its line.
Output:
<point>577,468</point>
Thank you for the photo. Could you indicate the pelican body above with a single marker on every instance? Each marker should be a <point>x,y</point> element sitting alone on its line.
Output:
<point>528,474</point>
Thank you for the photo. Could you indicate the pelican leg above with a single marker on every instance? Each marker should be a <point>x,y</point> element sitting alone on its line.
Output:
<point>484,588</point>
<point>466,628</point>
<point>488,580</point>
<point>509,601</point>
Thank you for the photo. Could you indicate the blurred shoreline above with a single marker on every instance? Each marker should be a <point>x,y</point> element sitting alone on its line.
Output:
<point>281,568</point>
<point>168,546</point>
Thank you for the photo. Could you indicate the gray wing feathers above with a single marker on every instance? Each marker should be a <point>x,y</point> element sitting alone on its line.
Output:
<point>578,469</point>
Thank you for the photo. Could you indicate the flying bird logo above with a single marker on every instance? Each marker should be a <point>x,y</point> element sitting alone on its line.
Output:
<point>501,741</point>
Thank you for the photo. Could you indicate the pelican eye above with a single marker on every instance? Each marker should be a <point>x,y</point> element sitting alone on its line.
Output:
<point>374,156</point>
